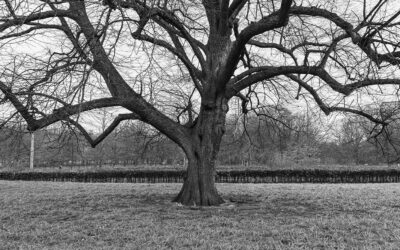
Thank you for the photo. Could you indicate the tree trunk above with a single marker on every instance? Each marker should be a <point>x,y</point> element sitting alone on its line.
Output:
<point>199,185</point>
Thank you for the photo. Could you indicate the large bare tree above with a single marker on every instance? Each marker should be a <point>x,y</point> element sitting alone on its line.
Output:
<point>176,64</point>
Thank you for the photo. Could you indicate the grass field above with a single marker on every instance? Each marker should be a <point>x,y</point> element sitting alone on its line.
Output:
<point>47,215</point>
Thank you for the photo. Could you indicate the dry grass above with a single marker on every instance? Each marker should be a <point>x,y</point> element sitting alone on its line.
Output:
<point>46,215</point>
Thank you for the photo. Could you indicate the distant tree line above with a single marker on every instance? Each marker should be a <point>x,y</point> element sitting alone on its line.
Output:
<point>274,136</point>
<point>278,138</point>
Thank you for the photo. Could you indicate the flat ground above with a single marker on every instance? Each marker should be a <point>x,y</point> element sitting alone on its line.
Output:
<point>46,215</point>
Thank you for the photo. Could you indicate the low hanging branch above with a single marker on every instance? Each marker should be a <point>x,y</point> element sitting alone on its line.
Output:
<point>102,136</point>
<point>22,109</point>
<point>326,109</point>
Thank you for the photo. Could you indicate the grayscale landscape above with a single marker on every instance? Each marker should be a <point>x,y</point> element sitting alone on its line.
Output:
<point>213,124</point>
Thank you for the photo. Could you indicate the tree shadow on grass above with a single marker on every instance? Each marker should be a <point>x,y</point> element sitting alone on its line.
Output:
<point>240,204</point>
<point>257,204</point>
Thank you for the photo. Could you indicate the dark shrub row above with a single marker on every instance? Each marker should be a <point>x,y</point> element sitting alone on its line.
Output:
<point>251,176</point>
<point>309,176</point>
<point>109,176</point>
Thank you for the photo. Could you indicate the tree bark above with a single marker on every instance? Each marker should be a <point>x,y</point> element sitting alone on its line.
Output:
<point>206,134</point>
<point>199,185</point>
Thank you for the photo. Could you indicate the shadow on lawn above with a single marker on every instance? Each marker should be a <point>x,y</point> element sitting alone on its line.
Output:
<point>236,204</point>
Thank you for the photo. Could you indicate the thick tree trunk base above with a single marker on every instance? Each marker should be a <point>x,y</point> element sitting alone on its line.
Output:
<point>201,151</point>
<point>192,194</point>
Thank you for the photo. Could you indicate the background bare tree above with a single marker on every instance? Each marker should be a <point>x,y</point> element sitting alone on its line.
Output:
<point>64,58</point>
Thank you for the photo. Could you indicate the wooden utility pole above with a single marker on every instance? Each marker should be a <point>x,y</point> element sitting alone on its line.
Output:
<point>32,155</point>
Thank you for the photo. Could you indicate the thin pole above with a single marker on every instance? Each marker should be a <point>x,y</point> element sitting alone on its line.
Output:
<point>32,155</point>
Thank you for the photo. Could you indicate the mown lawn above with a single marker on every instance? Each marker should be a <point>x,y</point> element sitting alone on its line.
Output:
<point>46,215</point>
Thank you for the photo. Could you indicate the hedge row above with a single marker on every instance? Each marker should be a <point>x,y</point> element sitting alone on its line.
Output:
<point>251,176</point>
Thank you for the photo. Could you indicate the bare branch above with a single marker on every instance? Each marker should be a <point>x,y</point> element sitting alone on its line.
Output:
<point>391,57</point>
<point>325,108</point>
<point>258,74</point>
<point>235,7</point>
<point>69,110</point>
<point>109,130</point>
<point>178,52</point>
<point>23,110</point>
<point>275,20</point>
<point>7,23</point>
